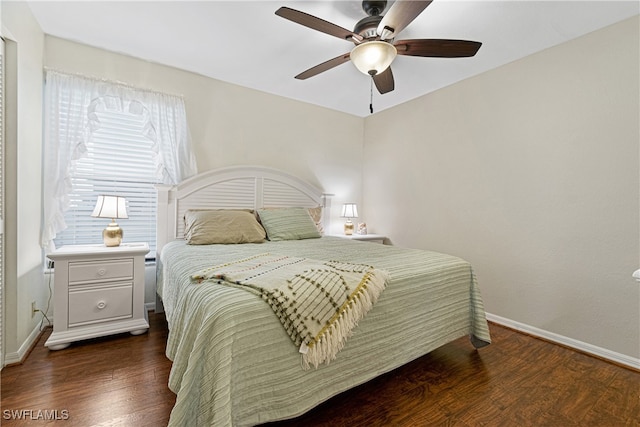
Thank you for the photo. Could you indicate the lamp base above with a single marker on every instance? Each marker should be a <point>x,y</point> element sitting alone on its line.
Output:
<point>112,235</point>
<point>348,228</point>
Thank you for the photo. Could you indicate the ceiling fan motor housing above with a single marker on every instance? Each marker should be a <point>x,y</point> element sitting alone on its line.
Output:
<point>368,26</point>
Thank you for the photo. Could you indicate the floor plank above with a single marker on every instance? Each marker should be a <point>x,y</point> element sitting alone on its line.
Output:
<point>519,380</point>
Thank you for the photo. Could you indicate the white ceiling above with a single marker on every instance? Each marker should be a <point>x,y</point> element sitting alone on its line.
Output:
<point>245,43</point>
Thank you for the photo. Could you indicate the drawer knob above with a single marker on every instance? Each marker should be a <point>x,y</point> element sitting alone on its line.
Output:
<point>101,305</point>
<point>102,271</point>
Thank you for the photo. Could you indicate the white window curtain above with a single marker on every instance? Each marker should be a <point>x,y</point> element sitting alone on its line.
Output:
<point>73,107</point>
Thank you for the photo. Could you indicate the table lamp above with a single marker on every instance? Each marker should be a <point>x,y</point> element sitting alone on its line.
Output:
<point>349,210</point>
<point>113,207</point>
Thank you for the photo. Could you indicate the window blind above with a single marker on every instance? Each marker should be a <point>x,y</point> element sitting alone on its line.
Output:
<point>119,160</point>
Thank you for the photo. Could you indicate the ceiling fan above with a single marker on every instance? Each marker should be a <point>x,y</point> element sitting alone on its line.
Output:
<point>374,39</point>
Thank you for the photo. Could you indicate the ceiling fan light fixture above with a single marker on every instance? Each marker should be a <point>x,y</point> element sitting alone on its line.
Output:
<point>373,57</point>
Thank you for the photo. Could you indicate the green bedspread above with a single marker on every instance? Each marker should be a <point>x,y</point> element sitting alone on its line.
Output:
<point>318,302</point>
<point>234,364</point>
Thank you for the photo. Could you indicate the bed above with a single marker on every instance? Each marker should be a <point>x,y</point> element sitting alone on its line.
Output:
<point>233,362</point>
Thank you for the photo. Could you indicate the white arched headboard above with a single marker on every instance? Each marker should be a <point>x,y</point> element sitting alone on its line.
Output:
<point>236,187</point>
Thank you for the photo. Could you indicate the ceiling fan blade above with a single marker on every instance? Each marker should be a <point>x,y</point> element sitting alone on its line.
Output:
<point>317,23</point>
<point>327,65</point>
<point>437,48</point>
<point>401,14</point>
<point>384,81</point>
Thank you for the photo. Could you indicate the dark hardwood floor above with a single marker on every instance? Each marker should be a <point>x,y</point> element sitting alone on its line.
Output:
<point>119,380</point>
<point>517,381</point>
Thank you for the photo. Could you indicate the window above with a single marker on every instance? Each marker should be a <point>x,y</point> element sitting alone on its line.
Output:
<point>104,137</point>
<point>119,160</point>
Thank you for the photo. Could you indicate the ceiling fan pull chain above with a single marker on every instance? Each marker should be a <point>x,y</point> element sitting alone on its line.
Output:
<point>371,97</point>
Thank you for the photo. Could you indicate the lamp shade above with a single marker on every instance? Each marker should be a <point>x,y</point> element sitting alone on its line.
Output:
<point>373,57</point>
<point>110,207</point>
<point>349,210</point>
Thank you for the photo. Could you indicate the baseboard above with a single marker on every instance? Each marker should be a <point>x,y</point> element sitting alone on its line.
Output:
<point>150,306</point>
<point>603,353</point>
<point>18,357</point>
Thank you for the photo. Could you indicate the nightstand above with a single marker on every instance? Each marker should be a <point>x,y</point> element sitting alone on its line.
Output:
<point>375,238</point>
<point>98,291</point>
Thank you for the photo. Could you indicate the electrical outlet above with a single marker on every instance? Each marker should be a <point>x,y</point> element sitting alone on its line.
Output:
<point>34,310</point>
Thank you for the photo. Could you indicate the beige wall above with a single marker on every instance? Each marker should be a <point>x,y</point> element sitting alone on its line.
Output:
<point>530,172</point>
<point>232,125</point>
<point>24,279</point>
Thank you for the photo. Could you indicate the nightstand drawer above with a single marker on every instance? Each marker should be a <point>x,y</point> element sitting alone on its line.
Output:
<point>99,305</point>
<point>91,271</point>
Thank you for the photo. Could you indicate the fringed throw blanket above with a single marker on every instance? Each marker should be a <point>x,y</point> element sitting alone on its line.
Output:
<point>318,302</point>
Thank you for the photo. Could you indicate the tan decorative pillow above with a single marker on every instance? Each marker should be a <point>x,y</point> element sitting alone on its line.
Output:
<point>222,226</point>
